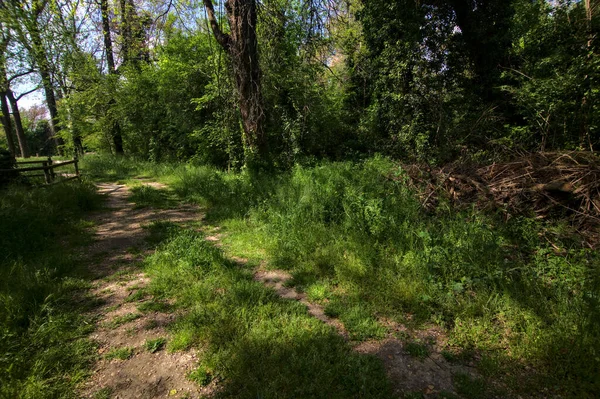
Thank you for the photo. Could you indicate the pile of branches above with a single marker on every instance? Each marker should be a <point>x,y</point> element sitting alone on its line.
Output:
<point>550,185</point>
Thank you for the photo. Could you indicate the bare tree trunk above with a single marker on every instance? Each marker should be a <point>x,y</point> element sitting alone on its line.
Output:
<point>6,124</point>
<point>110,61</point>
<point>242,47</point>
<point>18,124</point>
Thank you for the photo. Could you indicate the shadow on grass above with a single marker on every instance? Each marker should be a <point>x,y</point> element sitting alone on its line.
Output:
<point>147,196</point>
<point>44,350</point>
<point>255,343</point>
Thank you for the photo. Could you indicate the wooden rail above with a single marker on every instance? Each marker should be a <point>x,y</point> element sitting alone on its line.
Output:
<point>47,167</point>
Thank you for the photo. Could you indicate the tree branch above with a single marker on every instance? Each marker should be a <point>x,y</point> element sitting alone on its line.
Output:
<point>20,96</point>
<point>18,75</point>
<point>223,38</point>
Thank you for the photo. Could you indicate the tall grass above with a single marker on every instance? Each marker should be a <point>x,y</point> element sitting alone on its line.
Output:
<point>43,350</point>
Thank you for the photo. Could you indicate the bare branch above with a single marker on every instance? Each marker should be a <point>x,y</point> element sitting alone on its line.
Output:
<point>20,96</point>
<point>20,74</point>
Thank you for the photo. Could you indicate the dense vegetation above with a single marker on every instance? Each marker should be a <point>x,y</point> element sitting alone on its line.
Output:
<point>424,80</point>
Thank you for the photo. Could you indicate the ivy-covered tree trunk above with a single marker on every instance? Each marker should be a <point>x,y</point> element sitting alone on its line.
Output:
<point>242,47</point>
<point>110,61</point>
<point>18,124</point>
<point>6,124</point>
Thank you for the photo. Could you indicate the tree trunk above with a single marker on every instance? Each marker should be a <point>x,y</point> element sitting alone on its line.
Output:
<point>585,137</point>
<point>44,68</point>
<point>242,47</point>
<point>110,61</point>
<point>110,58</point>
<point>18,124</point>
<point>6,124</point>
<point>126,11</point>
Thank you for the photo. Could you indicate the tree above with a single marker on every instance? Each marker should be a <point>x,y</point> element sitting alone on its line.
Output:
<point>110,62</point>
<point>241,45</point>
<point>8,95</point>
<point>24,19</point>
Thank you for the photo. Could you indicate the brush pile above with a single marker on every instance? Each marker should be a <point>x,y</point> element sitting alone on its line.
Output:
<point>551,185</point>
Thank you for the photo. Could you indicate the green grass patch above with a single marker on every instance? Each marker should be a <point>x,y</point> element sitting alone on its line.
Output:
<point>119,353</point>
<point>417,349</point>
<point>44,351</point>
<point>255,342</point>
<point>124,319</point>
<point>154,345</point>
<point>144,196</point>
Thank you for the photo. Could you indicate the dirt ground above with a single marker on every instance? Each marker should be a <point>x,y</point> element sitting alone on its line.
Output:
<point>120,246</point>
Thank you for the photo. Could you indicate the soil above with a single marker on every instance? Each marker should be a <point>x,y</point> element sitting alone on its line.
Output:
<point>118,248</point>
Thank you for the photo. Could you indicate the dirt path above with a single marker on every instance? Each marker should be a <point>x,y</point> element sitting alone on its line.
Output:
<point>127,368</point>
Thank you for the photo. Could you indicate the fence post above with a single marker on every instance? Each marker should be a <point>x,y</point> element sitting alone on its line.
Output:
<point>76,166</point>
<point>52,176</point>
<point>46,172</point>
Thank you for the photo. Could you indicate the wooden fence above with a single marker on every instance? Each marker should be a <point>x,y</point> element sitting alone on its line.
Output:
<point>47,167</point>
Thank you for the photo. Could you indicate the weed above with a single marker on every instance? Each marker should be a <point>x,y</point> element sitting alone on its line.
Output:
<point>417,349</point>
<point>120,320</point>
<point>147,196</point>
<point>154,345</point>
<point>150,324</point>
<point>155,306</point>
<point>119,353</point>
<point>470,387</point>
<point>104,393</point>
<point>136,296</point>
<point>201,376</point>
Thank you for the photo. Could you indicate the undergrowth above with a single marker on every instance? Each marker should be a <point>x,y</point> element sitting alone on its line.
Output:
<point>357,239</point>
<point>43,349</point>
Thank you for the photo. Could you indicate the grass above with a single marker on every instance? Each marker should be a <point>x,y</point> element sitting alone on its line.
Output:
<point>417,349</point>
<point>356,239</point>
<point>154,345</point>
<point>124,319</point>
<point>256,343</point>
<point>44,351</point>
<point>147,196</point>
<point>119,353</point>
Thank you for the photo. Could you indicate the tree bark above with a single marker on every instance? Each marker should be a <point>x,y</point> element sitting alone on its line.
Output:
<point>43,65</point>
<point>18,124</point>
<point>110,58</point>
<point>110,61</point>
<point>242,47</point>
<point>6,124</point>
